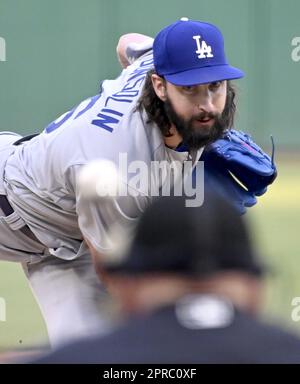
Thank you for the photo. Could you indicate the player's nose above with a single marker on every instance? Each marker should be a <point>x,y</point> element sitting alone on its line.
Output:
<point>205,102</point>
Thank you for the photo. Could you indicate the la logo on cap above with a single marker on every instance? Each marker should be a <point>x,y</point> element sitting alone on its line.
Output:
<point>203,50</point>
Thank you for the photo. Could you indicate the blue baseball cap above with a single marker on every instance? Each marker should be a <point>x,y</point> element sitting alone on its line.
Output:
<point>190,52</point>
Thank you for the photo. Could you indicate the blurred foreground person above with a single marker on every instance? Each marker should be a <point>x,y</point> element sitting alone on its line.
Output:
<point>190,286</point>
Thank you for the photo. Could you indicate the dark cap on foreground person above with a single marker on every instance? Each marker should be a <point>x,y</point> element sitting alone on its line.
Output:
<point>189,241</point>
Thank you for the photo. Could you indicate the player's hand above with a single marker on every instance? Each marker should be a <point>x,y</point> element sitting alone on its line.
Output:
<point>238,168</point>
<point>131,46</point>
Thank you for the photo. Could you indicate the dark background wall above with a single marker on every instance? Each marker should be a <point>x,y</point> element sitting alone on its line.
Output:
<point>58,51</point>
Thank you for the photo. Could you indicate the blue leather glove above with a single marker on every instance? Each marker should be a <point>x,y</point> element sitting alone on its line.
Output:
<point>238,168</point>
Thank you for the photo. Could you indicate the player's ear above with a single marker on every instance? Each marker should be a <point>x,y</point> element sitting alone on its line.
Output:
<point>159,86</point>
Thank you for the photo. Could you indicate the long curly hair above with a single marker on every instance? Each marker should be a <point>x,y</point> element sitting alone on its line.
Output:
<point>156,113</point>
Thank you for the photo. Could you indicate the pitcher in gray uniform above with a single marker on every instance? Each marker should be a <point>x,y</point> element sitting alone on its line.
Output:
<point>44,219</point>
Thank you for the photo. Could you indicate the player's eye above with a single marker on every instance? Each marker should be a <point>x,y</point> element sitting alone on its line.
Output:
<point>215,85</point>
<point>189,88</point>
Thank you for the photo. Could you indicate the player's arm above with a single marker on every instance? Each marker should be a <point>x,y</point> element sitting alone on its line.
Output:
<point>131,46</point>
<point>97,258</point>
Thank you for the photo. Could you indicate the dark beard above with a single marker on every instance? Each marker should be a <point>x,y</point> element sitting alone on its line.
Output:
<point>196,138</point>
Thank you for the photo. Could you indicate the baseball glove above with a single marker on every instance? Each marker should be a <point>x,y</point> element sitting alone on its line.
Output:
<point>238,168</point>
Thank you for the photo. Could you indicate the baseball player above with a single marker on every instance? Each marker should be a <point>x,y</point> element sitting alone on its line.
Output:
<point>172,101</point>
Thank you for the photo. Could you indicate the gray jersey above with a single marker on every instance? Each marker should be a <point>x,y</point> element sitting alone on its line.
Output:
<point>40,175</point>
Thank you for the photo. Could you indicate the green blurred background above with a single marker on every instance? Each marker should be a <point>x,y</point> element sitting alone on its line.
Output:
<point>57,53</point>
